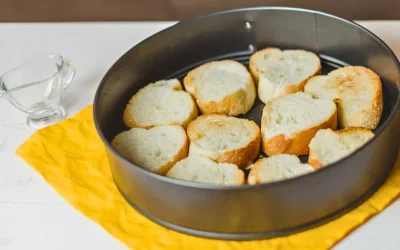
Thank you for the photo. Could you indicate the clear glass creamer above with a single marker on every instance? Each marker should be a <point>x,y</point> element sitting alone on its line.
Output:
<point>36,88</point>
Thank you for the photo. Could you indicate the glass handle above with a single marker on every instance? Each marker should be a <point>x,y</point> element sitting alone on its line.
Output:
<point>2,91</point>
<point>69,74</point>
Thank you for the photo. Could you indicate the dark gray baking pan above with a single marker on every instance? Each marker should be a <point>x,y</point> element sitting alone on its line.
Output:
<point>264,210</point>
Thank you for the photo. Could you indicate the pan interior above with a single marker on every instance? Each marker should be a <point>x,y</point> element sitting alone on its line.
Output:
<point>255,113</point>
<point>328,64</point>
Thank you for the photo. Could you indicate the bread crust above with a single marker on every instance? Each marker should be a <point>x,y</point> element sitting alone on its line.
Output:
<point>242,157</point>
<point>254,177</point>
<point>130,121</point>
<point>316,163</point>
<point>254,70</point>
<point>183,153</point>
<point>239,175</point>
<point>297,143</point>
<point>371,115</point>
<point>233,104</point>
<point>290,89</point>
<point>163,169</point>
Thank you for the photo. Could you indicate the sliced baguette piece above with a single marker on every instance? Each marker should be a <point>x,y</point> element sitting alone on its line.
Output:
<point>224,139</point>
<point>358,92</point>
<point>156,149</point>
<point>281,72</point>
<point>329,146</point>
<point>197,168</point>
<point>289,122</point>
<point>277,168</point>
<point>160,103</point>
<point>224,87</point>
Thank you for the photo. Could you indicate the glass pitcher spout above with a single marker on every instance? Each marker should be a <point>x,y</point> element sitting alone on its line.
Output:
<point>37,86</point>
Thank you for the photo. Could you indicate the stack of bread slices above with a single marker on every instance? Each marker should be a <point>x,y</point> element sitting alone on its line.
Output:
<point>194,132</point>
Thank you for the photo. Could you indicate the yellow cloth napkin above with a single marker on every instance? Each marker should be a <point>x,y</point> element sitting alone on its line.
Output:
<point>72,159</point>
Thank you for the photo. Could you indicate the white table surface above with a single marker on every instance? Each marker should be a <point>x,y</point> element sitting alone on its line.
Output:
<point>32,214</point>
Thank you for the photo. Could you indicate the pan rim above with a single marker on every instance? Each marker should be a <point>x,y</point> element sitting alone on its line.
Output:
<point>179,182</point>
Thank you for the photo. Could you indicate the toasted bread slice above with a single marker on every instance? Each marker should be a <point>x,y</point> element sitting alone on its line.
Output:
<point>224,87</point>
<point>330,146</point>
<point>277,168</point>
<point>289,122</point>
<point>197,168</point>
<point>156,149</point>
<point>160,103</point>
<point>224,139</point>
<point>281,72</point>
<point>358,92</point>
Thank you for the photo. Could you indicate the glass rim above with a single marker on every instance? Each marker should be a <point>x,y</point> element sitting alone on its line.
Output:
<point>32,60</point>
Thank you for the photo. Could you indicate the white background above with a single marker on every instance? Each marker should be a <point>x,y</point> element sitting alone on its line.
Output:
<point>32,214</point>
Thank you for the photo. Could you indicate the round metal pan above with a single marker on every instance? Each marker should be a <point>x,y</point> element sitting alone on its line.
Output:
<point>264,210</point>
